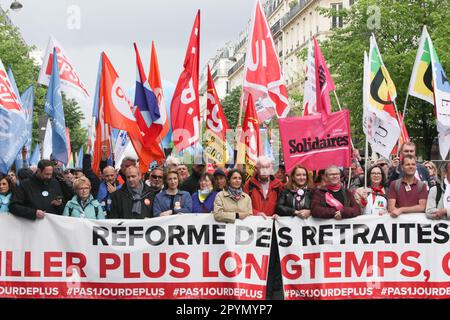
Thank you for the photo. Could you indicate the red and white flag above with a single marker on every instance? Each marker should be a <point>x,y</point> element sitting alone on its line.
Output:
<point>216,125</point>
<point>185,107</point>
<point>154,80</point>
<point>118,113</point>
<point>324,82</point>
<point>70,82</point>
<point>309,96</point>
<point>249,148</point>
<point>262,73</point>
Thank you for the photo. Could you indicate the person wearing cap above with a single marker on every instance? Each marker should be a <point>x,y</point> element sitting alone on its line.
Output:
<point>220,180</point>
<point>192,184</point>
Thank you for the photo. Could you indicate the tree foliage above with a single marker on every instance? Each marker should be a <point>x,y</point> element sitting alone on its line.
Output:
<point>231,105</point>
<point>397,26</point>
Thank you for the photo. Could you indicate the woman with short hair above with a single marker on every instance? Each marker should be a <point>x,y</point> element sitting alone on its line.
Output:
<point>83,204</point>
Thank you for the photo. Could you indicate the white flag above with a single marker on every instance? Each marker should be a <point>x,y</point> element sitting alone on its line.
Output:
<point>47,146</point>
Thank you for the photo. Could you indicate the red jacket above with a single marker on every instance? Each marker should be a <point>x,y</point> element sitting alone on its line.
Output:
<point>259,203</point>
<point>320,209</point>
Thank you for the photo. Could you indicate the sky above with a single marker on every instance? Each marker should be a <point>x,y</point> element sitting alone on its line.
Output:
<point>85,28</point>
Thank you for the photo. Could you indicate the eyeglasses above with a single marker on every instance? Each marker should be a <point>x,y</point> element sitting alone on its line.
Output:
<point>376,173</point>
<point>156,177</point>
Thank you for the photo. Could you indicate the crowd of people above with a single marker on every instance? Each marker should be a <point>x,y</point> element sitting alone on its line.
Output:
<point>394,187</point>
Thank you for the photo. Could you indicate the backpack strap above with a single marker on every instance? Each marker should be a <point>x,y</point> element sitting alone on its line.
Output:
<point>96,212</point>
<point>70,211</point>
<point>397,185</point>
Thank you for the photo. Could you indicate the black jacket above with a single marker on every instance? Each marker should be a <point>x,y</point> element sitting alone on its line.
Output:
<point>191,184</point>
<point>122,204</point>
<point>34,194</point>
<point>396,173</point>
<point>285,205</point>
<point>89,173</point>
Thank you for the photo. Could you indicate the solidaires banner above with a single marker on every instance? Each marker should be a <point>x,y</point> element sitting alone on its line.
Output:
<point>183,256</point>
<point>365,257</point>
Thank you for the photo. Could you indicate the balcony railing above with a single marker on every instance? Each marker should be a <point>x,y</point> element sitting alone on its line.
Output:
<point>236,66</point>
<point>294,11</point>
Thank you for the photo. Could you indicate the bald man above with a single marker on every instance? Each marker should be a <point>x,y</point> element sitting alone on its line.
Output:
<point>107,187</point>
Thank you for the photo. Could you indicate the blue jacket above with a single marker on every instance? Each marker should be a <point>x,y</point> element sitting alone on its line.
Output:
<point>207,206</point>
<point>92,210</point>
<point>4,202</point>
<point>163,201</point>
<point>104,197</point>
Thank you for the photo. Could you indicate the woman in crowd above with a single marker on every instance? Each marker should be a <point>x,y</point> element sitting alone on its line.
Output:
<point>232,203</point>
<point>6,186</point>
<point>203,199</point>
<point>432,169</point>
<point>295,199</point>
<point>373,199</point>
<point>83,204</point>
<point>172,200</point>
<point>437,205</point>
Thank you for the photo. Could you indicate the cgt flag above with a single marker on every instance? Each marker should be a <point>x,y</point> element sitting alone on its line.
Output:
<point>118,113</point>
<point>216,125</point>
<point>249,148</point>
<point>185,106</point>
<point>324,83</point>
<point>262,74</point>
<point>13,131</point>
<point>70,82</point>
<point>319,143</point>
<point>54,108</point>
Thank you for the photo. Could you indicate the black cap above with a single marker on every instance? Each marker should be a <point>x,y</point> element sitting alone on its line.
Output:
<point>219,172</point>
<point>78,169</point>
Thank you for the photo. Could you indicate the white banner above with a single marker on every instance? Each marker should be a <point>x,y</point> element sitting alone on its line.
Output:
<point>183,256</point>
<point>365,257</point>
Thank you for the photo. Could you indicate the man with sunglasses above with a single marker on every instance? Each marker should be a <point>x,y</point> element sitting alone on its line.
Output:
<point>156,180</point>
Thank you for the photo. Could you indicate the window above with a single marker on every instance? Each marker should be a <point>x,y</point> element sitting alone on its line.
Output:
<point>351,2</point>
<point>336,22</point>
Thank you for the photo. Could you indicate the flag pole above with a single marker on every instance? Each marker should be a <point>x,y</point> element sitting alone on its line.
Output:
<point>365,163</point>
<point>404,107</point>
<point>340,109</point>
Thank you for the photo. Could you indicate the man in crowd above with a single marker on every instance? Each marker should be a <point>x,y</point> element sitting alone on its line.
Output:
<point>407,194</point>
<point>220,180</point>
<point>107,187</point>
<point>156,180</point>
<point>396,172</point>
<point>183,172</point>
<point>192,184</point>
<point>264,190</point>
<point>134,200</point>
<point>39,195</point>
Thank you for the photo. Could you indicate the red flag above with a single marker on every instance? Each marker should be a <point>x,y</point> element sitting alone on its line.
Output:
<point>185,107</point>
<point>118,113</point>
<point>324,82</point>
<point>102,138</point>
<point>250,147</point>
<point>262,75</point>
<point>154,79</point>
<point>215,118</point>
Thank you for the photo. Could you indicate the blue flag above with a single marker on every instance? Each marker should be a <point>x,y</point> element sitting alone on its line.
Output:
<point>27,98</point>
<point>12,123</point>
<point>36,156</point>
<point>54,109</point>
<point>79,163</point>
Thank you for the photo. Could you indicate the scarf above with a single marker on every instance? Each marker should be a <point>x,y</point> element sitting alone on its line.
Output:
<point>333,202</point>
<point>334,188</point>
<point>203,194</point>
<point>235,193</point>
<point>136,194</point>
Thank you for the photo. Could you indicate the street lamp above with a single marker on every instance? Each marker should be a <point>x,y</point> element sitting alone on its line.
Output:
<point>16,6</point>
